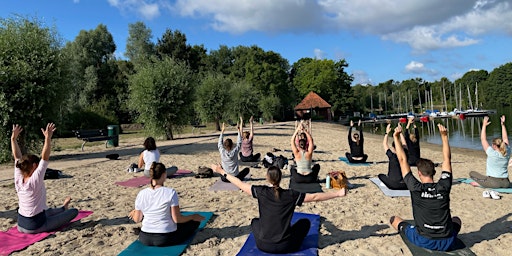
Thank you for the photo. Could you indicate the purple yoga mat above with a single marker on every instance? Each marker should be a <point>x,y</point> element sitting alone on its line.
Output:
<point>13,240</point>
<point>143,180</point>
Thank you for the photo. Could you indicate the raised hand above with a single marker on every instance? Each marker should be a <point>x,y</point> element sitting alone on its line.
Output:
<point>48,132</point>
<point>486,121</point>
<point>502,119</point>
<point>398,130</point>
<point>442,130</point>
<point>16,130</point>
<point>411,120</point>
<point>359,123</point>
<point>388,128</point>
<point>251,119</point>
<point>223,127</point>
<point>351,123</point>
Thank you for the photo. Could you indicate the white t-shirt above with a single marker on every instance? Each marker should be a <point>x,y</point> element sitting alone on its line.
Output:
<point>155,205</point>
<point>31,194</point>
<point>150,157</point>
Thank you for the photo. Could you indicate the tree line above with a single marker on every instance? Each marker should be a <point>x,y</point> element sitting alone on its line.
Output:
<point>167,83</point>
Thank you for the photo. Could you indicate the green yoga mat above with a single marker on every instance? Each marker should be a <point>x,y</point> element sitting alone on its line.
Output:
<point>460,248</point>
<point>475,184</point>
<point>137,248</point>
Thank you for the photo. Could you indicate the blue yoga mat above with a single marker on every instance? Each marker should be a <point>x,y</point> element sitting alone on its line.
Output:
<point>137,248</point>
<point>309,245</point>
<point>470,181</point>
<point>344,159</point>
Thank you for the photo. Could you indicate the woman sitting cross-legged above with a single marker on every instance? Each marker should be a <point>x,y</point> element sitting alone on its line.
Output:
<point>303,172</point>
<point>34,216</point>
<point>152,154</point>
<point>356,143</point>
<point>159,210</point>
<point>273,230</point>
<point>229,153</point>
<point>246,152</point>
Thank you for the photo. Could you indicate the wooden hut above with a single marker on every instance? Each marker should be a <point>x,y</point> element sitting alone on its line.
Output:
<point>313,105</point>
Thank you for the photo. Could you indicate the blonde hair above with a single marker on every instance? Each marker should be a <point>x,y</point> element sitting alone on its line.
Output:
<point>413,138</point>
<point>502,147</point>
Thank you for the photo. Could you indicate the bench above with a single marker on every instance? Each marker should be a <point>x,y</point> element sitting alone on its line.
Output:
<point>92,135</point>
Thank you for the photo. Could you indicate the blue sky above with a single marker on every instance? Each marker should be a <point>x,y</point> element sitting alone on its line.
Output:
<point>380,39</point>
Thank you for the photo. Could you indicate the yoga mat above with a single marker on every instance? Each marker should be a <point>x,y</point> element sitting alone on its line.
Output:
<point>309,245</point>
<point>475,184</point>
<point>220,185</point>
<point>138,182</point>
<point>344,159</point>
<point>460,248</point>
<point>306,187</point>
<point>387,191</point>
<point>137,248</point>
<point>13,240</point>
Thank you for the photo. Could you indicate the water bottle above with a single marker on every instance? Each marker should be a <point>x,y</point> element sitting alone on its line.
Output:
<point>328,181</point>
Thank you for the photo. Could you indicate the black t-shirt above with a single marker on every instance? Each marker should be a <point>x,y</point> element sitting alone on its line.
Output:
<point>394,171</point>
<point>431,205</point>
<point>413,147</point>
<point>276,215</point>
<point>355,149</point>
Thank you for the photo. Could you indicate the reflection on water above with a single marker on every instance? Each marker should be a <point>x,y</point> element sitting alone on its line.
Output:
<point>462,133</point>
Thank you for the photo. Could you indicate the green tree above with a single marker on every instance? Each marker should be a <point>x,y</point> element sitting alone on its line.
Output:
<point>161,93</point>
<point>268,106</point>
<point>32,79</point>
<point>139,47</point>
<point>244,100</point>
<point>213,97</point>
<point>497,86</point>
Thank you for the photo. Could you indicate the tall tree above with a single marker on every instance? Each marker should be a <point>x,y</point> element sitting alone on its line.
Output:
<point>497,86</point>
<point>162,93</point>
<point>139,47</point>
<point>32,79</point>
<point>213,98</point>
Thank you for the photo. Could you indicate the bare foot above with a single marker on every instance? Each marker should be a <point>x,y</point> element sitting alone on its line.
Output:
<point>66,202</point>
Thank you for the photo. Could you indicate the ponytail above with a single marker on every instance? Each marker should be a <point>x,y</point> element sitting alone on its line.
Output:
<point>274,175</point>
<point>502,146</point>
<point>155,172</point>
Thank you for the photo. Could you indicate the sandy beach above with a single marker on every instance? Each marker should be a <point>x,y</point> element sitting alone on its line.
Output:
<point>354,225</point>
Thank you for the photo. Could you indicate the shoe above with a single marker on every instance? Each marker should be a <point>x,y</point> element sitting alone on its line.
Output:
<point>486,194</point>
<point>495,195</point>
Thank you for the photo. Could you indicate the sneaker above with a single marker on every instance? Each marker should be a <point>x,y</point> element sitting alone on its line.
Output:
<point>486,194</point>
<point>495,195</point>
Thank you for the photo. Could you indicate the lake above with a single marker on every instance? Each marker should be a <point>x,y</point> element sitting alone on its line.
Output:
<point>462,133</point>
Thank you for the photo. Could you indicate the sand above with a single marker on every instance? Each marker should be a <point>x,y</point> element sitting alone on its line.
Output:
<point>353,225</point>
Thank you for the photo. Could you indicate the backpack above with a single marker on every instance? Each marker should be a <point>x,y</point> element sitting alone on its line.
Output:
<point>339,179</point>
<point>204,172</point>
<point>280,161</point>
<point>272,160</point>
<point>52,174</point>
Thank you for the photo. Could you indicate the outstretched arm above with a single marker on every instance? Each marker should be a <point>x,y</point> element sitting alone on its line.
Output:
<point>311,147</point>
<point>292,141</point>
<point>504,135</point>
<point>237,182</point>
<point>350,131</point>
<point>315,197</point>
<point>241,126</point>
<point>252,128</point>
<point>447,155</point>
<point>483,134</point>
<point>385,141</point>
<point>410,121</point>
<point>48,133</point>
<point>400,153</point>
<point>16,152</point>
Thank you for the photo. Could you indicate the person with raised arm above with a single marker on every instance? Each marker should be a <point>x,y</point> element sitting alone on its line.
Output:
<point>229,153</point>
<point>356,144</point>
<point>413,142</point>
<point>273,230</point>
<point>246,152</point>
<point>393,180</point>
<point>34,216</point>
<point>434,228</point>
<point>158,208</point>
<point>303,171</point>
<point>498,156</point>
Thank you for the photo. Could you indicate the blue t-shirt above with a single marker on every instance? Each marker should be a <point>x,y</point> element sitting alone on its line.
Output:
<point>497,164</point>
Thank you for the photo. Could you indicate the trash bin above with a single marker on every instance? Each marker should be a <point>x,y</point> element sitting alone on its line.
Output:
<point>113,130</point>
<point>261,120</point>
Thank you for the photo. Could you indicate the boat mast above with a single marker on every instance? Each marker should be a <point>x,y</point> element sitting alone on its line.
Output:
<point>469,97</point>
<point>476,94</point>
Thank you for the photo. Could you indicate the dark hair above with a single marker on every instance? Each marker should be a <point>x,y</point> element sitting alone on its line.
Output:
<point>274,175</point>
<point>149,143</point>
<point>302,143</point>
<point>26,163</point>
<point>228,144</point>
<point>156,171</point>
<point>426,167</point>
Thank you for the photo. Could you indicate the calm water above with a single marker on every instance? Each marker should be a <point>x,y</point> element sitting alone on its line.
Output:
<point>462,133</point>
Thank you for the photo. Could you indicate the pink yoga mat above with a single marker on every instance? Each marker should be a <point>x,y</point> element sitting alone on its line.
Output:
<point>13,240</point>
<point>143,180</point>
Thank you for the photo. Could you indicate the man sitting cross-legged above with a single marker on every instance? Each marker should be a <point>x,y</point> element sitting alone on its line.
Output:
<point>435,229</point>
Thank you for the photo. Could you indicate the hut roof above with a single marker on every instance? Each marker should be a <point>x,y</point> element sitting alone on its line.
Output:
<point>312,100</point>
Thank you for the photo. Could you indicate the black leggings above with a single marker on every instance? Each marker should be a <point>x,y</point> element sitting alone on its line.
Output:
<point>251,158</point>
<point>298,232</point>
<point>241,175</point>
<point>183,232</point>
<point>392,184</point>
<point>351,160</point>
<point>309,178</point>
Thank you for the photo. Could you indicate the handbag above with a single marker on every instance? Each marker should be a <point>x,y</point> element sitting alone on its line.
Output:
<point>339,179</point>
<point>204,172</point>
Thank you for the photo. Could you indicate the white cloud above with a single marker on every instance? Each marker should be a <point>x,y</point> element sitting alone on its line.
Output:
<point>142,8</point>
<point>361,77</point>
<point>415,67</point>
<point>319,54</point>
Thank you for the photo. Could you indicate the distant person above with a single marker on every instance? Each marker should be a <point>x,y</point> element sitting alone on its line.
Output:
<point>498,156</point>
<point>434,227</point>
<point>273,230</point>
<point>393,180</point>
<point>229,153</point>
<point>246,152</point>
<point>34,216</point>
<point>303,171</point>
<point>413,143</point>
<point>159,210</point>
<point>356,143</point>
<point>152,154</point>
